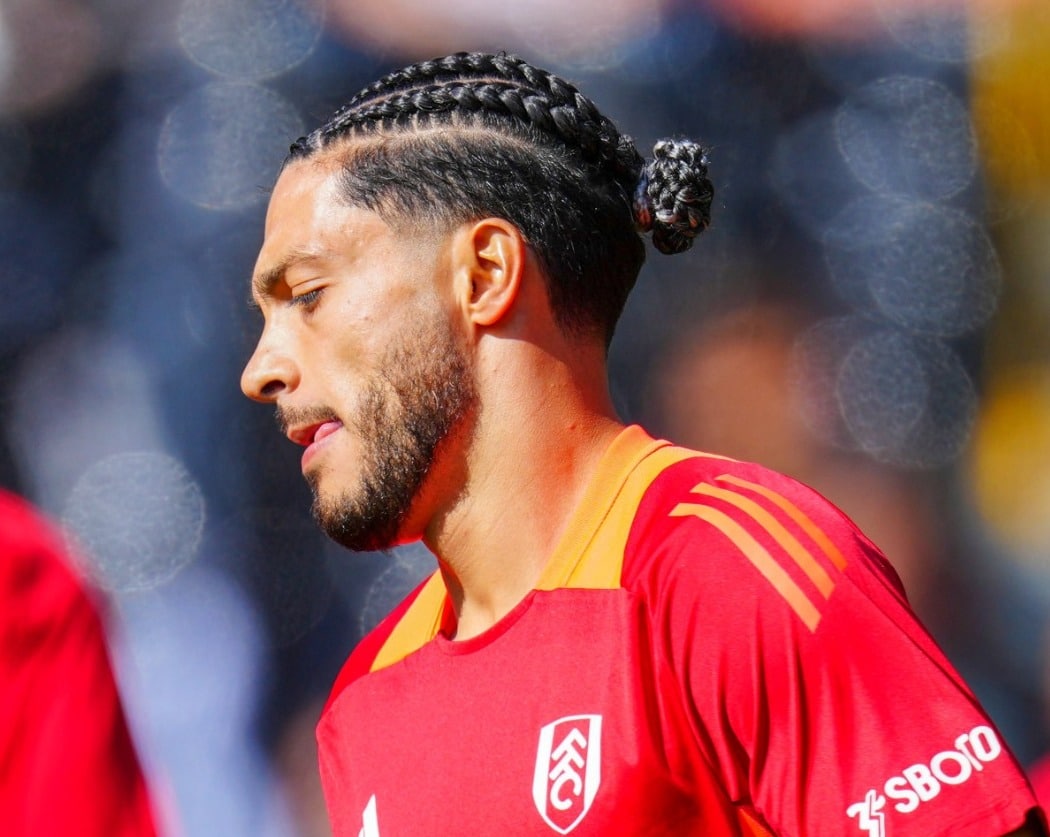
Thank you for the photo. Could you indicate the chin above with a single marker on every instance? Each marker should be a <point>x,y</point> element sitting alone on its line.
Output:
<point>353,522</point>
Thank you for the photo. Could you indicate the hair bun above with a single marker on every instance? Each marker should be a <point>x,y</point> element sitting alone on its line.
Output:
<point>673,196</point>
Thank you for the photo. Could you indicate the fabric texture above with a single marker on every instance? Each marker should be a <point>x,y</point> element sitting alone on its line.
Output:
<point>713,648</point>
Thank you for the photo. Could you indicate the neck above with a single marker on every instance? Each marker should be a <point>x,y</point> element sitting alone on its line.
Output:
<point>533,451</point>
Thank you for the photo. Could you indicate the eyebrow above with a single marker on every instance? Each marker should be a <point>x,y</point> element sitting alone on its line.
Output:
<point>262,284</point>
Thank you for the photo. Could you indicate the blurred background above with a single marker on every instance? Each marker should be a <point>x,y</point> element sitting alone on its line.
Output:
<point>870,312</point>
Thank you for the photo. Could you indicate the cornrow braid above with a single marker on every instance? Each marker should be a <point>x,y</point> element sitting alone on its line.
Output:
<point>476,134</point>
<point>463,65</point>
<point>493,84</point>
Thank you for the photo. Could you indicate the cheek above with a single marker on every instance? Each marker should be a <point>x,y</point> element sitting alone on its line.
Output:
<point>341,348</point>
<point>356,331</point>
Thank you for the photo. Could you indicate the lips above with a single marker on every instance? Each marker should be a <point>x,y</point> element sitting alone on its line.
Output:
<point>325,429</point>
<point>307,434</point>
<point>313,438</point>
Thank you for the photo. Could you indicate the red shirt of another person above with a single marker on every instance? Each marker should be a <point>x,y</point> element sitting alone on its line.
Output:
<point>67,762</point>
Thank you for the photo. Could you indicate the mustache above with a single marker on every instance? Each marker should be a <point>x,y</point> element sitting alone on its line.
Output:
<point>298,416</point>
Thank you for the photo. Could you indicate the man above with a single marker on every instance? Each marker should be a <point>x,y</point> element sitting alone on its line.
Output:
<point>622,637</point>
<point>68,766</point>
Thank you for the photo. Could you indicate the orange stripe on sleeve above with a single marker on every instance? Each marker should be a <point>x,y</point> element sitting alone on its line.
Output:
<point>795,513</point>
<point>799,554</point>
<point>758,556</point>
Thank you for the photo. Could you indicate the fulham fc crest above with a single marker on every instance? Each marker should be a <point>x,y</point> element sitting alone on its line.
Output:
<point>568,770</point>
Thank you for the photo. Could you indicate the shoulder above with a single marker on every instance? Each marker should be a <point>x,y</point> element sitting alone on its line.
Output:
<point>38,582</point>
<point>715,529</point>
<point>742,491</point>
<point>25,534</point>
<point>702,500</point>
<point>368,655</point>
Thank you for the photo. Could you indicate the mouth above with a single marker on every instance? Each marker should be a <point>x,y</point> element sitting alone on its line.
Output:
<point>312,437</point>
<point>310,434</point>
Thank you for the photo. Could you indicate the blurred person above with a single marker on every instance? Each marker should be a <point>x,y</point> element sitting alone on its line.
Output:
<point>746,355</point>
<point>622,636</point>
<point>67,762</point>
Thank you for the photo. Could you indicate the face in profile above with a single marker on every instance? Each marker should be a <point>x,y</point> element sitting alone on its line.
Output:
<point>359,355</point>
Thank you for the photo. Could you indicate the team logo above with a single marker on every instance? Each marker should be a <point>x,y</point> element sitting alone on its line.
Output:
<point>568,770</point>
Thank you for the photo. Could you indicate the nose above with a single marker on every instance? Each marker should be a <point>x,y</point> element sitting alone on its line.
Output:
<point>268,373</point>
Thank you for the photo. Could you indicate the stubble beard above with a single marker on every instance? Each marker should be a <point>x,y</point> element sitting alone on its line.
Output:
<point>422,395</point>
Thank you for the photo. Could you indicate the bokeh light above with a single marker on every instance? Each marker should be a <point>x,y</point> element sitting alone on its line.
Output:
<point>220,147</point>
<point>907,401</point>
<point>928,268</point>
<point>816,358</point>
<point>909,136</point>
<point>809,174</point>
<point>137,520</point>
<point>882,391</point>
<point>902,399</point>
<point>249,39</point>
<point>946,33</point>
<point>89,395</point>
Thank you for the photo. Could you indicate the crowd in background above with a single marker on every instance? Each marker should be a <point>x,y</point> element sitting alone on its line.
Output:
<point>870,313</point>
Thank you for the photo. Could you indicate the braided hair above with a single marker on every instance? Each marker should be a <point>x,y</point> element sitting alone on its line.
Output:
<point>473,135</point>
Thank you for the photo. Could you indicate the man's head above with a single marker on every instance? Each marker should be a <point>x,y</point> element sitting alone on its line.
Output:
<point>433,174</point>
<point>476,135</point>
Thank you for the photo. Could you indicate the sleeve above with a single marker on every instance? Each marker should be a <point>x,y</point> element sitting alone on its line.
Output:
<point>813,691</point>
<point>68,764</point>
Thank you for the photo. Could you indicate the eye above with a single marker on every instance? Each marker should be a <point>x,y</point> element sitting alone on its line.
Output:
<point>308,299</point>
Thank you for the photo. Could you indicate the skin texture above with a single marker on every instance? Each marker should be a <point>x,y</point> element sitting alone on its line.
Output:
<point>516,442</point>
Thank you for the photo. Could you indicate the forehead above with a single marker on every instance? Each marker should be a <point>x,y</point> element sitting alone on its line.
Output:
<point>308,218</point>
<point>305,201</point>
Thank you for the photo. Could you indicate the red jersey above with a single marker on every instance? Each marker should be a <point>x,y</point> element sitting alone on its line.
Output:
<point>1039,773</point>
<point>67,764</point>
<point>712,649</point>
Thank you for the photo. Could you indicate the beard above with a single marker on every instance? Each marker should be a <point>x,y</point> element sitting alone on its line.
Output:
<point>423,393</point>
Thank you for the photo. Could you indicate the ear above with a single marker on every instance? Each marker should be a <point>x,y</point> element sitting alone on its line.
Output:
<point>491,254</point>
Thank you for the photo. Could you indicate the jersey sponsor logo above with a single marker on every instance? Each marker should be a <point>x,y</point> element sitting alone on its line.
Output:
<point>568,770</point>
<point>742,510</point>
<point>869,814</point>
<point>923,782</point>
<point>369,819</point>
